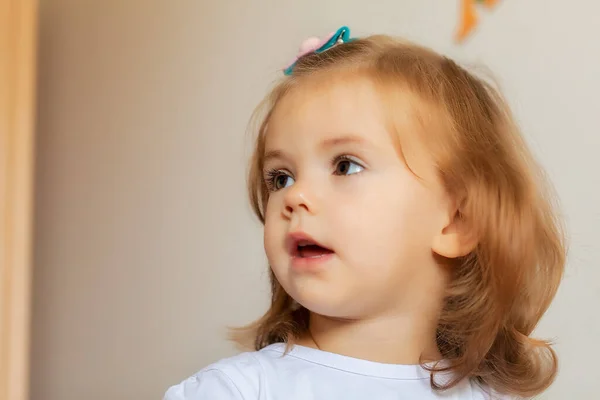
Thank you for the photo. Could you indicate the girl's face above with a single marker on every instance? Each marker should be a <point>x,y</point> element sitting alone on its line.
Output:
<point>349,228</point>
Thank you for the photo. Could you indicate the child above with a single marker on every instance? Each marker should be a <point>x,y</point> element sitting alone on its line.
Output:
<point>413,247</point>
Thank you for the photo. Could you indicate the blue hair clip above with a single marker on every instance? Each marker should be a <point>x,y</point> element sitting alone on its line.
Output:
<point>316,45</point>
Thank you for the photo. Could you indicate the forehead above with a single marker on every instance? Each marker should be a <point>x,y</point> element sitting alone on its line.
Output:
<point>390,118</point>
<point>320,109</point>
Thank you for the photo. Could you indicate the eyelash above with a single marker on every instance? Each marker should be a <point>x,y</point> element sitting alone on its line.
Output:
<point>273,174</point>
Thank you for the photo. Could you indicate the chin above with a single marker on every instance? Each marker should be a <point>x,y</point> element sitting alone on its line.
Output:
<point>322,291</point>
<point>327,303</point>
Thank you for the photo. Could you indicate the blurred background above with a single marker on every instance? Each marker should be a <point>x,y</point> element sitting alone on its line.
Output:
<point>145,248</point>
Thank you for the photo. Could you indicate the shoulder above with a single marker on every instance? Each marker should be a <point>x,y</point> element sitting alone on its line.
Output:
<point>484,393</point>
<point>236,377</point>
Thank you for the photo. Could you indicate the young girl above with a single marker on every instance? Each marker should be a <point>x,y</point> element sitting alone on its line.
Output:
<point>412,245</point>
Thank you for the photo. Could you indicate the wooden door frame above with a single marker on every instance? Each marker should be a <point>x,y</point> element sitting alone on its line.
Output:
<point>18,42</point>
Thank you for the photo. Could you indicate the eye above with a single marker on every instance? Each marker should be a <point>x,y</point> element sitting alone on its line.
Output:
<point>345,166</point>
<point>277,180</point>
<point>282,181</point>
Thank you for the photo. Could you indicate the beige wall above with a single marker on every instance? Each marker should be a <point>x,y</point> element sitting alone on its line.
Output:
<point>145,247</point>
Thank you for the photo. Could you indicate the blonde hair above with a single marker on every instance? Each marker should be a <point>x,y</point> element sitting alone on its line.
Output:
<point>499,291</point>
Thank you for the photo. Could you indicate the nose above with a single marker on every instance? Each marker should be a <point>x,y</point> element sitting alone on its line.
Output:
<point>298,198</point>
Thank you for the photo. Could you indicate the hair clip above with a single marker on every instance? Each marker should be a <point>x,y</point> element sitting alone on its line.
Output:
<point>316,45</point>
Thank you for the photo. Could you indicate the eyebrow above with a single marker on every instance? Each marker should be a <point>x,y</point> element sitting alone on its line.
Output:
<point>272,155</point>
<point>325,144</point>
<point>342,140</point>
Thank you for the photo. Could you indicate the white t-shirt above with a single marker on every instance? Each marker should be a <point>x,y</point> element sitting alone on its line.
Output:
<point>309,374</point>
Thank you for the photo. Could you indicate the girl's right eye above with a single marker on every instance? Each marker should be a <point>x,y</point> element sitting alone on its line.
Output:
<point>277,180</point>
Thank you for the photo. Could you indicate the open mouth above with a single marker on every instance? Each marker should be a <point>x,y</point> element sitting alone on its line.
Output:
<point>309,249</point>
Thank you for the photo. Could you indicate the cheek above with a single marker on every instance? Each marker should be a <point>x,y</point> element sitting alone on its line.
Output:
<point>374,205</point>
<point>386,223</point>
<point>269,239</point>
<point>272,236</point>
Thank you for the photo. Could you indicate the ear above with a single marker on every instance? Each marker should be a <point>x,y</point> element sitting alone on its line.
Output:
<point>456,239</point>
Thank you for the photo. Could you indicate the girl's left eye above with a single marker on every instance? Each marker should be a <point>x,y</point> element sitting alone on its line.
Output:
<point>345,166</point>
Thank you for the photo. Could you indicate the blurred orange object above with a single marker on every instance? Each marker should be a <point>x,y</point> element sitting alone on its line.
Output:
<point>469,19</point>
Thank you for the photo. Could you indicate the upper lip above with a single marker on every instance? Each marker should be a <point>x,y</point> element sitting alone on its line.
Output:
<point>296,238</point>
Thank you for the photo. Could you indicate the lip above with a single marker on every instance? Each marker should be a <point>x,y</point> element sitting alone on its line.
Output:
<point>305,263</point>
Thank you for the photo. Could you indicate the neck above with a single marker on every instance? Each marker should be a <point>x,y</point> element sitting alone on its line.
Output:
<point>393,339</point>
